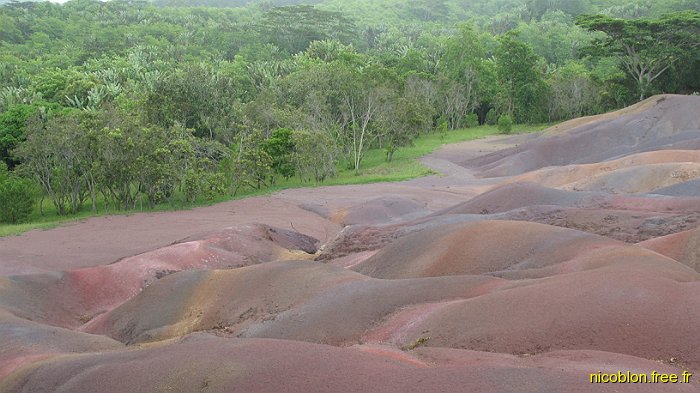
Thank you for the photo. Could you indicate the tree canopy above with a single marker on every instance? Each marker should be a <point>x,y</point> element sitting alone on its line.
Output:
<point>646,48</point>
<point>130,102</point>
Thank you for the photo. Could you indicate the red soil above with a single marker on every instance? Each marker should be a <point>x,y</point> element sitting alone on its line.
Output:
<point>437,284</point>
<point>210,364</point>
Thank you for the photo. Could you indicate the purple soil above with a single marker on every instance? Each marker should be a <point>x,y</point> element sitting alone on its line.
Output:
<point>518,195</point>
<point>644,163</point>
<point>375,211</point>
<point>70,299</point>
<point>25,342</point>
<point>689,188</point>
<point>230,365</point>
<point>460,282</point>
<point>600,299</point>
<point>478,248</point>
<point>640,313</point>
<point>631,226</point>
<point>684,247</point>
<point>650,125</point>
<point>639,179</point>
<point>102,240</point>
<point>295,304</point>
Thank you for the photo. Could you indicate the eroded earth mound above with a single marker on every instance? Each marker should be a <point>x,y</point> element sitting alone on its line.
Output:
<point>531,263</point>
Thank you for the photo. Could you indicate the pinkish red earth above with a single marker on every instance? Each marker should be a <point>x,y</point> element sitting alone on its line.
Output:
<point>529,264</point>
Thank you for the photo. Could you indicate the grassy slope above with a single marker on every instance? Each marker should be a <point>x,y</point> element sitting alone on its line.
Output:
<point>374,169</point>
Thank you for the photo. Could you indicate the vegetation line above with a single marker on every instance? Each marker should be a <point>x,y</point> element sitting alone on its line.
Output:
<point>404,166</point>
<point>131,105</point>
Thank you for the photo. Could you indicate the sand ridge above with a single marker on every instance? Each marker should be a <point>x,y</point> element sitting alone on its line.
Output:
<point>530,262</point>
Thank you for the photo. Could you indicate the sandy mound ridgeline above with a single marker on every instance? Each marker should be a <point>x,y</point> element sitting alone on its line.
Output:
<point>629,218</point>
<point>593,294</point>
<point>253,365</point>
<point>658,123</point>
<point>684,247</point>
<point>638,173</point>
<point>689,188</point>
<point>290,300</point>
<point>483,247</point>
<point>69,299</point>
<point>375,211</point>
<point>533,262</point>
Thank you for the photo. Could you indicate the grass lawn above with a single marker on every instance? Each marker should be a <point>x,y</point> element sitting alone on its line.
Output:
<point>374,169</point>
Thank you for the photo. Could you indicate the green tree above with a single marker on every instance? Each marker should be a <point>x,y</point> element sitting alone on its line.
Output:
<point>401,120</point>
<point>467,83</point>
<point>52,154</point>
<point>521,80</point>
<point>198,97</point>
<point>135,159</point>
<point>538,8</point>
<point>293,28</point>
<point>572,92</point>
<point>252,164</point>
<point>280,147</point>
<point>17,196</point>
<point>13,124</point>
<point>314,156</point>
<point>645,48</point>
<point>555,37</point>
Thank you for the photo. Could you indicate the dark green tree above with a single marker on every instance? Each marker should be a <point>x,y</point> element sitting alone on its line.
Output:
<point>13,124</point>
<point>293,28</point>
<point>315,155</point>
<point>280,146</point>
<point>645,48</point>
<point>17,195</point>
<point>522,90</point>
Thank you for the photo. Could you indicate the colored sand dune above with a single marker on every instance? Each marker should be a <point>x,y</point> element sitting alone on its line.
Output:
<point>531,263</point>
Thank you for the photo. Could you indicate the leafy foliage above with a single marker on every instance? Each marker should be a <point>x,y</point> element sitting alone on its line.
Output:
<point>129,103</point>
<point>521,79</point>
<point>17,196</point>
<point>646,48</point>
<point>280,146</point>
<point>315,155</point>
<point>505,124</point>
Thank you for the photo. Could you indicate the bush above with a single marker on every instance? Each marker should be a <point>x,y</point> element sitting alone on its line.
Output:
<point>315,155</point>
<point>442,129</point>
<point>280,147</point>
<point>491,118</point>
<point>472,120</point>
<point>505,124</point>
<point>17,196</point>
<point>201,183</point>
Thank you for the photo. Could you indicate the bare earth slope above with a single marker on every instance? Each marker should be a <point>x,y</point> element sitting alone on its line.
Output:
<point>531,263</point>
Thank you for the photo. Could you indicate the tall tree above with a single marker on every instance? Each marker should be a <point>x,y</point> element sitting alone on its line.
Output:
<point>465,67</point>
<point>293,28</point>
<point>645,48</point>
<point>521,80</point>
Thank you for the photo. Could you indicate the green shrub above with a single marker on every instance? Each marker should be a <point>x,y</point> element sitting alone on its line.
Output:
<point>200,183</point>
<point>472,120</point>
<point>505,124</point>
<point>16,199</point>
<point>491,117</point>
<point>314,156</point>
<point>442,129</point>
<point>280,147</point>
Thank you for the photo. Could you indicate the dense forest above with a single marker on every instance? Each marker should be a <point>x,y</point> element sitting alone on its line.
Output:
<point>124,102</point>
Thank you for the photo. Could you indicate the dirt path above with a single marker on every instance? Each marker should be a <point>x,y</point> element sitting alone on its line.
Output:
<point>102,240</point>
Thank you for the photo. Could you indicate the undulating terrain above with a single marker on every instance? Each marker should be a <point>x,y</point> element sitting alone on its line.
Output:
<point>530,263</point>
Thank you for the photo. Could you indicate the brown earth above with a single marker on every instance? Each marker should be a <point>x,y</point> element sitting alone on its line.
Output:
<point>531,262</point>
